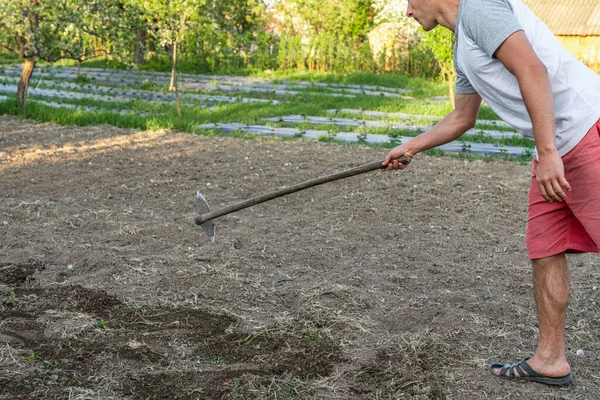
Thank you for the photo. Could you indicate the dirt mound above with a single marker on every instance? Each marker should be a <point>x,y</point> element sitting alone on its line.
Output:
<point>70,334</point>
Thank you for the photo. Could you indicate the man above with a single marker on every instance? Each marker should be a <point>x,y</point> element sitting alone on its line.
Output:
<point>507,56</point>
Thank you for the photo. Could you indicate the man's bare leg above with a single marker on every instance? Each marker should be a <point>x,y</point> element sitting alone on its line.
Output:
<point>551,291</point>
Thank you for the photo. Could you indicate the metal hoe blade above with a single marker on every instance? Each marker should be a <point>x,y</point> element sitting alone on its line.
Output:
<point>202,208</point>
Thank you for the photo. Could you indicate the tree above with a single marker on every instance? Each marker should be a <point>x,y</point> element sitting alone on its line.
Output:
<point>168,22</point>
<point>350,18</point>
<point>141,35</point>
<point>51,30</point>
<point>441,43</point>
<point>332,34</point>
<point>238,24</point>
<point>236,16</point>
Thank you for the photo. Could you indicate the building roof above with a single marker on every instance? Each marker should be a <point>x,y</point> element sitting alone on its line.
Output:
<point>568,17</point>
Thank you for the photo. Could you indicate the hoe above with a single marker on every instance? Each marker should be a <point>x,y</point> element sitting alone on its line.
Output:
<point>205,216</point>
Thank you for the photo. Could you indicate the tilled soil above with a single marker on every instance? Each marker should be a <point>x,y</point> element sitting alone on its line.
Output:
<point>381,286</point>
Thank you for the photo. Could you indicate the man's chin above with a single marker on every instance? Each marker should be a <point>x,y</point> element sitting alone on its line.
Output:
<point>428,28</point>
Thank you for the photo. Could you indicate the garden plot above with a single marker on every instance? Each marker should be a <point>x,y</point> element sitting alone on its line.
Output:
<point>387,285</point>
<point>109,93</point>
<point>361,136</point>
<point>120,96</point>
<point>379,114</point>
<point>137,76</point>
<point>217,83</point>
<point>340,86</point>
<point>89,108</point>
<point>293,89</point>
<point>367,138</point>
<point>63,94</point>
<point>346,122</point>
<point>406,126</point>
<point>71,72</point>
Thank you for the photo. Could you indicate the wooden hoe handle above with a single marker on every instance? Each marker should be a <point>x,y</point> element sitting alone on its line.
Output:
<point>361,169</point>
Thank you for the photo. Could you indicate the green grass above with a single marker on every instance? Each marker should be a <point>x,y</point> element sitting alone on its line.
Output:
<point>164,115</point>
<point>98,62</point>
<point>252,113</point>
<point>421,88</point>
<point>101,324</point>
<point>131,121</point>
<point>153,115</point>
<point>9,59</point>
<point>160,63</point>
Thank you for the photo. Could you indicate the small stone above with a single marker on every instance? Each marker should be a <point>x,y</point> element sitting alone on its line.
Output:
<point>70,266</point>
<point>580,353</point>
<point>595,288</point>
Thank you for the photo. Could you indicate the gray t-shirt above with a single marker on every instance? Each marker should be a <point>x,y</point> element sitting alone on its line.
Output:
<point>482,26</point>
<point>488,23</point>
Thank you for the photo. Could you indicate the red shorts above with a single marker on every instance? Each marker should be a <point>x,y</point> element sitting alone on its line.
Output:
<point>571,226</point>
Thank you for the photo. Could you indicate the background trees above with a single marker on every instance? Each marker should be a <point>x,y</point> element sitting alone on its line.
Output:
<point>52,30</point>
<point>324,35</point>
<point>441,44</point>
<point>224,36</point>
<point>234,34</point>
<point>166,23</point>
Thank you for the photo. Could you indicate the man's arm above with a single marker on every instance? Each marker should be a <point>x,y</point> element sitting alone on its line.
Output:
<point>518,56</point>
<point>457,122</point>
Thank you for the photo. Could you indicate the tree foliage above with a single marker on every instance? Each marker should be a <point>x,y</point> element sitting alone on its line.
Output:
<point>236,16</point>
<point>350,19</point>
<point>441,43</point>
<point>55,29</point>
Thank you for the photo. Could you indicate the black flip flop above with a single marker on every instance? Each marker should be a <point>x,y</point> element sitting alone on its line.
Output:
<point>526,373</point>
